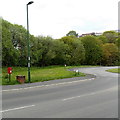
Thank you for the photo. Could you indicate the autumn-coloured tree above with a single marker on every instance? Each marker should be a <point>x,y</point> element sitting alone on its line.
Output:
<point>110,54</point>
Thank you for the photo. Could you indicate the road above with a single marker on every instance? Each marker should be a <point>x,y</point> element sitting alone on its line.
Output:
<point>89,97</point>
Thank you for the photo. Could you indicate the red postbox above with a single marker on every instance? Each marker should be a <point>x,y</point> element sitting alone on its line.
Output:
<point>9,70</point>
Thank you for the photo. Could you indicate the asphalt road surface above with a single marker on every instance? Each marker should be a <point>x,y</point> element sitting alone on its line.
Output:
<point>86,97</point>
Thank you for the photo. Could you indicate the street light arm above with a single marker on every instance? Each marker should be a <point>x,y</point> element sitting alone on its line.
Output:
<point>30,2</point>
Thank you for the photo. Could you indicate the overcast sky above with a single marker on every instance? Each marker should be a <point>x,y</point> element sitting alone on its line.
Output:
<point>57,17</point>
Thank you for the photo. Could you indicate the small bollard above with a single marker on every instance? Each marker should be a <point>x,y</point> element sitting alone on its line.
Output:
<point>76,72</point>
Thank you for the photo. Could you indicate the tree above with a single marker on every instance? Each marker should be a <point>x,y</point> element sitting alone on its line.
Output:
<point>110,54</point>
<point>103,39</point>
<point>72,33</point>
<point>118,42</point>
<point>93,51</point>
<point>111,36</point>
<point>0,42</point>
<point>9,53</point>
<point>60,49</point>
<point>46,54</point>
<point>18,37</point>
<point>75,52</point>
<point>69,50</point>
<point>14,44</point>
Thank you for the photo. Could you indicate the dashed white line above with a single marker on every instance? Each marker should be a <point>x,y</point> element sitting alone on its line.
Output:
<point>62,83</point>
<point>93,93</point>
<point>78,96</point>
<point>17,108</point>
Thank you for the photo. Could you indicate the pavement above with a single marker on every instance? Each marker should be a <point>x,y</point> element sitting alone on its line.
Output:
<point>93,96</point>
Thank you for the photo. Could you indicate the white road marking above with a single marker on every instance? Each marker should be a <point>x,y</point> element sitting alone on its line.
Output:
<point>78,96</point>
<point>93,93</point>
<point>17,108</point>
<point>63,83</point>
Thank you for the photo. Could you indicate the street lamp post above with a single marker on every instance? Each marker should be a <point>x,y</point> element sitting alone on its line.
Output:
<point>28,42</point>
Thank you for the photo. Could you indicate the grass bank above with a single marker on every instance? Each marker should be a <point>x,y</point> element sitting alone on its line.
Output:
<point>40,74</point>
<point>116,70</point>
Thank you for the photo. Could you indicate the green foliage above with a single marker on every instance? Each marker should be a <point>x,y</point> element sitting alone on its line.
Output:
<point>60,49</point>
<point>18,37</point>
<point>9,53</point>
<point>93,51</point>
<point>118,42</point>
<point>72,33</point>
<point>39,74</point>
<point>103,39</point>
<point>75,52</point>
<point>70,50</point>
<point>45,48</point>
<point>116,70</point>
<point>111,36</point>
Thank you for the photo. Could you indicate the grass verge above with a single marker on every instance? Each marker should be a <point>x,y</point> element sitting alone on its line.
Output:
<point>40,74</point>
<point>116,70</point>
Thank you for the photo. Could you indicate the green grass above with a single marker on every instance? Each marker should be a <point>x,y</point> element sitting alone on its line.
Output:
<point>40,74</point>
<point>116,70</point>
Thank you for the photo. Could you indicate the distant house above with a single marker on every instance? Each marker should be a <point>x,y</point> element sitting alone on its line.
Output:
<point>98,34</point>
<point>117,30</point>
<point>91,34</point>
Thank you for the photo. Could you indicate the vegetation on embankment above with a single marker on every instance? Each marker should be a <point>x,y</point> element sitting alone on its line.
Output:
<point>39,74</point>
<point>71,49</point>
<point>116,70</point>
